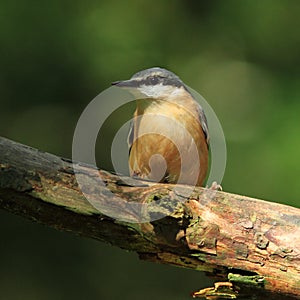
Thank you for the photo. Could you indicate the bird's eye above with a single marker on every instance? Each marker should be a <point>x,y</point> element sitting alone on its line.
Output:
<point>154,80</point>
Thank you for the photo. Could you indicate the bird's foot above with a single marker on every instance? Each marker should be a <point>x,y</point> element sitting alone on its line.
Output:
<point>215,187</point>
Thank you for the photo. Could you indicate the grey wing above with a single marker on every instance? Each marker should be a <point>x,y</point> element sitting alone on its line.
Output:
<point>203,122</point>
<point>130,136</point>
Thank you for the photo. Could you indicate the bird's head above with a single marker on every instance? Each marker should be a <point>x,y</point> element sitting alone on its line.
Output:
<point>156,83</point>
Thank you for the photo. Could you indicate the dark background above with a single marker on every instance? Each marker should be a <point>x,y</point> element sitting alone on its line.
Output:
<point>56,56</point>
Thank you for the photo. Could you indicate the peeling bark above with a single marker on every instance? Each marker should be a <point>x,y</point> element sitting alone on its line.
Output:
<point>251,243</point>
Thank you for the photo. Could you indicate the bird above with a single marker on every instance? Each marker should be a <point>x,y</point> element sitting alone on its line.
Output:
<point>168,138</point>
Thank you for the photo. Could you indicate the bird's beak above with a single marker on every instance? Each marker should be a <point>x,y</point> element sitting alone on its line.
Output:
<point>125,84</point>
<point>131,85</point>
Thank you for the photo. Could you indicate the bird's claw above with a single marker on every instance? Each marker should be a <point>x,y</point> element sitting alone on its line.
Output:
<point>215,187</point>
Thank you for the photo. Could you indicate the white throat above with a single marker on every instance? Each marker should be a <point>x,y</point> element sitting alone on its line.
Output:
<point>160,91</point>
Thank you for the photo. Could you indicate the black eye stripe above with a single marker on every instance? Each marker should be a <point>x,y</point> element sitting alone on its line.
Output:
<point>153,80</point>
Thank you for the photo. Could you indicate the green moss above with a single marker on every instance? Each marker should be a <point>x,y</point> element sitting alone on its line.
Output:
<point>255,280</point>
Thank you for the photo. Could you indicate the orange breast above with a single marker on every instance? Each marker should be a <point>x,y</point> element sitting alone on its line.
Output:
<point>169,144</point>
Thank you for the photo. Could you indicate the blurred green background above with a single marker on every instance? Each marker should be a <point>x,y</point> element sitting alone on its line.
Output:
<point>56,56</point>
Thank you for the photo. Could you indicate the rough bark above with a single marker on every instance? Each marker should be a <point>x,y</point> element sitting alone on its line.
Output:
<point>252,243</point>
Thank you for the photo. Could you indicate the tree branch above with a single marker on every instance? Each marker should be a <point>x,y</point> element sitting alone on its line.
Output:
<point>252,243</point>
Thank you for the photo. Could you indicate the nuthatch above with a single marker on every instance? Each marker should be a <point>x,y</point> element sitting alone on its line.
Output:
<point>168,128</point>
